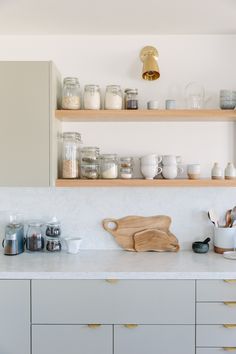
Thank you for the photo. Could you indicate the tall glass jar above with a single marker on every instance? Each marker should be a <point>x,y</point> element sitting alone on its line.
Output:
<point>109,166</point>
<point>113,97</point>
<point>131,99</point>
<point>34,236</point>
<point>70,155</point>
<point>71,93</point>
<point>92,97</point>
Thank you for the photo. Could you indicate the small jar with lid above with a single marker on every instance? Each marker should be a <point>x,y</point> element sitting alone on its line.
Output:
<point>89,155</point>
<point>109,166</point>
<point>53,233</point>
<point>113,97</point>
<point>126,167</point>
<point>71,96</point>
<point>92,97</point>
<point>71,142</point>
<point>89,171</point>
<point>34,236</point>
<point>131,99</point>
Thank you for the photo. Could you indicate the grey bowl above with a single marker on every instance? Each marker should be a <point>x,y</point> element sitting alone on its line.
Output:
<point>200,247</point>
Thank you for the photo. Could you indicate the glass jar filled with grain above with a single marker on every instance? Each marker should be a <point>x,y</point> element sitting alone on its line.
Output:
<point>71,96</point>
<point>71,142</point>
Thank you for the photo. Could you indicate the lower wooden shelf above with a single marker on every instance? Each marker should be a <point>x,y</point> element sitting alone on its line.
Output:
<point>145,183</point>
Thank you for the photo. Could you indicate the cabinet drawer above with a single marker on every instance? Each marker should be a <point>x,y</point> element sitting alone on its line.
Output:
<point>223,350</point>
<point>216,312</point>
<point>49,339</point>
<point>216,290</point>
<point>215,336</point>
<point>124,301</point>
<point>154,339</point>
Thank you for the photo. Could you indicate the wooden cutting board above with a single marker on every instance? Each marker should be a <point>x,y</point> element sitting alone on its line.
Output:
<point>155,240</point>
<point>123,229</point>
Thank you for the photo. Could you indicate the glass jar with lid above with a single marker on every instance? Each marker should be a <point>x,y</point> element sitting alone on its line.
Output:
<point>71,142</point>
<point>53,232</point>
<point>71,97</point>
<point>126,167</point>
<point>89,155</point>
<point>92,97</point>
<point>113,97</point>
<point>34,236</point>
<point>89,171</point>
<point>109,166</point>
<point>131,99</point>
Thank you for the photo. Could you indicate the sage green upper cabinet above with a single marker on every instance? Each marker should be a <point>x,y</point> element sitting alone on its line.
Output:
<point>28,95</point>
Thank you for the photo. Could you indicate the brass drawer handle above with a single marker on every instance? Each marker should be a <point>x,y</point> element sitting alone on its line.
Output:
<point>229,349</point>
<point>229,325</point>
<point>230,281</point>
<point>130,325</point>
<point>112,281</point>
<point>94,325</point>
<point>230,303</point>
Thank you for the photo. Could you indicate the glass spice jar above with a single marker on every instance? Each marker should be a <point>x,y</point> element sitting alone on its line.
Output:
<point>109,166</point>
<point>71,93</point>
<point>92,97</point>
<point>113,97</point>
<point>131,99</point>
<point>126,167</point>
<point>89,171</point>
<point>89,154</point>
<point>70,154</point>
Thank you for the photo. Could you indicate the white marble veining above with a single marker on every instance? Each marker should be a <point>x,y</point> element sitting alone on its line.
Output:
<point>117,265</point>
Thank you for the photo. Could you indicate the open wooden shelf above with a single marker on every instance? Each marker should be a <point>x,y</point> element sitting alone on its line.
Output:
<point>157,115</point>
<point>144,183</point>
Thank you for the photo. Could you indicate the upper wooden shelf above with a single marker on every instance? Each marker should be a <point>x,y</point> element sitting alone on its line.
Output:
<point>158,115</point>
<point>145,183</point>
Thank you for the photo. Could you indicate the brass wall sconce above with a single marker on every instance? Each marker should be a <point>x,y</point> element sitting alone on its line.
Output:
<point>149,56</point>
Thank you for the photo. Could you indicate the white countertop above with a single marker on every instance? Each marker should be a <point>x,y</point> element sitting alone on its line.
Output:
<point>97,264</point>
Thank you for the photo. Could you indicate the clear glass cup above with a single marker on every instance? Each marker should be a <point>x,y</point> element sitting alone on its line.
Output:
<point>194,94</point>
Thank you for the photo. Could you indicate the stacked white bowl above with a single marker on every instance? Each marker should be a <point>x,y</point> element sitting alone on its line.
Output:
<point>149,165</point>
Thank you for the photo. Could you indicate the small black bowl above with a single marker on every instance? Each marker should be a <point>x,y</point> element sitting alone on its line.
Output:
<point>200,247</point>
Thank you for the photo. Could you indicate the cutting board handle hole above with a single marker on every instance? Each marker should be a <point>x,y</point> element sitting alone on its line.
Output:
<point>110,225</point>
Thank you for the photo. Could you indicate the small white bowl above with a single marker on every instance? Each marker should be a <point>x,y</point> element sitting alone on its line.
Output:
<point>73,244</point>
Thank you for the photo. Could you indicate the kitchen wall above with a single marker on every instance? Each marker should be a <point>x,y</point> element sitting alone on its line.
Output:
<point>209,60</point>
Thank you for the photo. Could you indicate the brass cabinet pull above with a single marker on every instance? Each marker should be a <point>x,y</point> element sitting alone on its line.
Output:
<point>230,281</point>
<point>130,325</point>
<point>229,349</point>
<point>94,325</point>
<point>229,325</point>
<point>112,281</point>
<point>230,303</point>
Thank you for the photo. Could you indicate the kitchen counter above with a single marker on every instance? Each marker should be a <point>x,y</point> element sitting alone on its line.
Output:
<point>97,264</point>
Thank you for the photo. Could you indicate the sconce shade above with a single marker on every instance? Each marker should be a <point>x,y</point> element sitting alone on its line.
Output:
<point>151,70</point>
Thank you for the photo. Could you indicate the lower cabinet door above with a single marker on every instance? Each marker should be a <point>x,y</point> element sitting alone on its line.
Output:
<point>71,339</point>
<point>14,317</point>
<point>154,339</point>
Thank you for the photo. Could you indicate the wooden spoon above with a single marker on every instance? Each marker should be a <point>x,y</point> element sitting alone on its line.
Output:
<point>228,218</point>
<point>233,216</point>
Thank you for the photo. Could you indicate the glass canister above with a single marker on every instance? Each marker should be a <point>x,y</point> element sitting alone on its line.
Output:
<point>71,98</point>
<point>113,97</point>
<point>89,171</point>
<point>126,167</point>
<point>131,99</point>
<point>70,154</point>
<point>89,154</point>
<point>92,97</point>
<point>34,236</point>
<point>109,166</point>
<point>53,232</point>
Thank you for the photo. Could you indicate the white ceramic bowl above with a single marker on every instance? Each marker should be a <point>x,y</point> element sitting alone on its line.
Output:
<point>73,244</point>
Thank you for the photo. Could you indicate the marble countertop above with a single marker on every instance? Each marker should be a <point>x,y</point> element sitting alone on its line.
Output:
<point>97,264</point>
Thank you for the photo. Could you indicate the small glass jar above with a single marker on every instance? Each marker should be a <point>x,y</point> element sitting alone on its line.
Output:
<point>53,228</point>
<point>126,167</point>
<point>71,93</point>
<point>131,99</point>
<point>34,236</point>
<point>53,244</point>
<point>89,171</point>
<point>70,155</point>
<point>113,97</point>
<point>89,155</point>
<point>109,166</point>
<point>92,97</point>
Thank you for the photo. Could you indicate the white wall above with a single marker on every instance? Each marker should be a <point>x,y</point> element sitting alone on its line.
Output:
<point>103,60</point>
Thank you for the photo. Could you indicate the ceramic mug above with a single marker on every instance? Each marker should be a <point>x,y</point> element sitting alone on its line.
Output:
<point>171,171</point>
<point>151,159</point>
<point>194,171</point>
<point>150,171</point>
<point>169,160</point>
<point>73,244</point>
